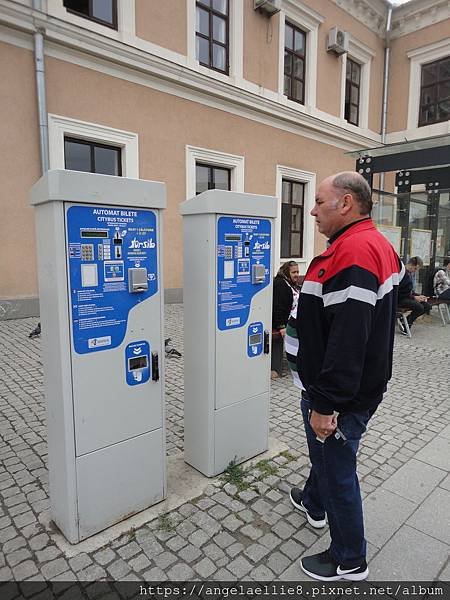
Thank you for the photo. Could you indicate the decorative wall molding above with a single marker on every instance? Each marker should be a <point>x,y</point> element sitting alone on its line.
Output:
<point>372,13</point>
<point>418,14</point>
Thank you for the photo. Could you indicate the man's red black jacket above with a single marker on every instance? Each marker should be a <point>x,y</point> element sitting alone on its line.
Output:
<point>346,320</point>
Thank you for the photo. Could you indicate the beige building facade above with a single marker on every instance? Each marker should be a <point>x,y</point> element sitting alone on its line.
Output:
<point>183,84</point>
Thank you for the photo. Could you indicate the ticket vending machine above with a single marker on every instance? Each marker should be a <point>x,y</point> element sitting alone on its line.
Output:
<point>227,295</point>
<point>101,304</point>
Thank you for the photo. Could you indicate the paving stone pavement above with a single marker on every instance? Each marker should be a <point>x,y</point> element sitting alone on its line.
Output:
<point>228,534</point>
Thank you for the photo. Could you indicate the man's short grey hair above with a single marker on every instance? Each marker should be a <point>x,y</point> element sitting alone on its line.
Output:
<point>355,184</point>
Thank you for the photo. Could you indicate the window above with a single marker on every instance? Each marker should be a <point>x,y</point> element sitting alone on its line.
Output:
<point>292,214</point>
<point>294,63</point>
<point>209,177</point>
<point>212,33</point>
<point>82,155</point>
<point>100,11</point>
<point>435,92</point>
<point>352,91</point>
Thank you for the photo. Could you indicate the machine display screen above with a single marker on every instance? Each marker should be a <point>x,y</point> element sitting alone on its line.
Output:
<point>233,237</point>
<point>140,362</point>
<point>255,339</point>
<point>94,233</point>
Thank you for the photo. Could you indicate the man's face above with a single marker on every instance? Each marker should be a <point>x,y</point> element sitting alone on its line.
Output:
<point>327,209</point>
<point>294,274</point>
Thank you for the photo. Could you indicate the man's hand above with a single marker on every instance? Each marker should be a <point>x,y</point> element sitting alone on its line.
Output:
<point>282,331</point>
<point>322,425</point>
<point>421,298</point>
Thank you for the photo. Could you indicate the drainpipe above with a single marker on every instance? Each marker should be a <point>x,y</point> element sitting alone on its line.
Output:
<point>387,51</point>
<point>40,89</point>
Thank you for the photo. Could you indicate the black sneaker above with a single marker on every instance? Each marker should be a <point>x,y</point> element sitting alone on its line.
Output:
<point>322,566</point>
<point>316,521</point>
<point>402,328</point>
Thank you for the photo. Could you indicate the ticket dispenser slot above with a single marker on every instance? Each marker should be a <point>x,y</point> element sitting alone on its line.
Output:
<point>137,280</point>
<point>254,339</point>
<point>258,274</point>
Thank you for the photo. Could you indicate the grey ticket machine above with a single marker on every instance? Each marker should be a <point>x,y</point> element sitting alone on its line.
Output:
<point>101,302</point>
<point>227,295</point>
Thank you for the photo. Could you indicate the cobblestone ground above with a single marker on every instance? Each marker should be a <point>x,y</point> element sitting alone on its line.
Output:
<point>225,534</point>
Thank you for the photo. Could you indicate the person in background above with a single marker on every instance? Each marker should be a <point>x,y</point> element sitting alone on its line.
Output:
<point>441,281</point>
<point>416,303</point>
<point>285,295</point>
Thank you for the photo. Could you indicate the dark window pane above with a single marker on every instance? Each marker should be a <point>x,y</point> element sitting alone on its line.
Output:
<point>219,57</point>
<point>428,95</point>
<point>427,114</point>
<point>353,114</point>
<point>287,85</point>
<point>106,161</point>
<point>77,156</point>
<point>220,6</point>
<point>202,21</point>
<point>428,74</point>
<point>286,192</point>
<point>205,2</point>
<point>298,67</point>
<point>81,6</point>
<point>443,91</point>
<point>285,230</point>
<point>297,90</point>
<point>348,69</point>
<point>202,50</point>
<point>299,42</point>
<point>444,110</point>
<point>221,179</point>
<point>287,63</point>
<point>444,69</point>
<point>201,178</point>
<point>289,37</point>
<point>219,29</point>
<point>296,218</point>
<point>356,71</point>
<point>354,96</point>
<point>295,244</point>
<point>297,194</point>
<point>103,10</point>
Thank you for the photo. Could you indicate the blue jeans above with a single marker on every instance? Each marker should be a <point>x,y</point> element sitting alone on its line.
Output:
<point>333,486</point>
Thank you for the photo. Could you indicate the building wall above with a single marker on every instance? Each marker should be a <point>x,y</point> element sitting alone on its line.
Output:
<point>399,76</point>
<point>261,47</point>
<point>162,23</point>
<point>19,169</point>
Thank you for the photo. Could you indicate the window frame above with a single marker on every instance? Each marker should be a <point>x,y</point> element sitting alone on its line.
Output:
<point>309,21</point>
<point>216,158</point>
<point>92,145</point>
<point>90,17</point>
<point>418,57</point>
<point>212,12</point>
<point>301,231</point>
<point>60,127</point>
<point>349,86</point>
<point>309,179</point>
<point>295,30</point>
<point>362,55</point>
<point>435,87</point>
<point>213,168</point>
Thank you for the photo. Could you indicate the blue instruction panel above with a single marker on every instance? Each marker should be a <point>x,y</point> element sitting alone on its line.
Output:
<point>103,243</point>
<point>243,266</point>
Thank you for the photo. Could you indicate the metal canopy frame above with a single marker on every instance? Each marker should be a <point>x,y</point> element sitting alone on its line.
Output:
<point>425,161</point>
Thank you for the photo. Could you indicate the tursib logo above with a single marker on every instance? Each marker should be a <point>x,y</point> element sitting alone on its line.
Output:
<point>136,244</point>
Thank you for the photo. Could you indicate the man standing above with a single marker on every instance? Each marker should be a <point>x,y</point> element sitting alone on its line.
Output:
<point>345,326</point>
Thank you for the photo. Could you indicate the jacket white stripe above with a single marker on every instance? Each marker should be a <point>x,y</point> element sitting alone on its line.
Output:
<point>291,345</point>
<point>388,286</point>
<point>313,288</point>
<point>353,292</point>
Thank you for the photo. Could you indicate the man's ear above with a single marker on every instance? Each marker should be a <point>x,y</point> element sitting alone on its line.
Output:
<point>348,203</point>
